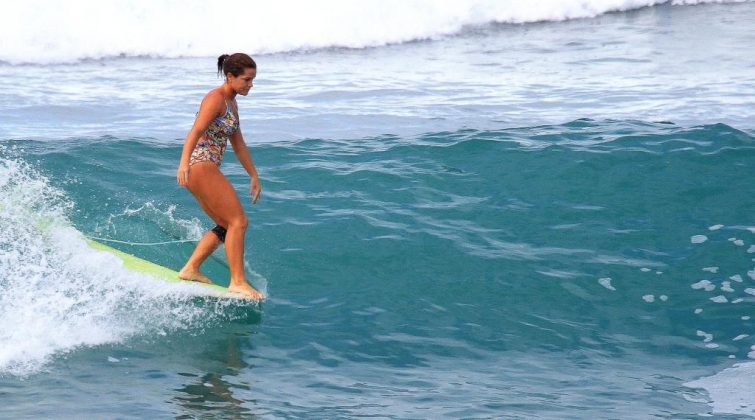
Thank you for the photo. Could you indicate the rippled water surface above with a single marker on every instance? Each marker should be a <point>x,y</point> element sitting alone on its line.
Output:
<point>545,220</point>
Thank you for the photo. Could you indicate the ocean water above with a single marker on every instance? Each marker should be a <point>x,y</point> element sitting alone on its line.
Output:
<point>470,210</point>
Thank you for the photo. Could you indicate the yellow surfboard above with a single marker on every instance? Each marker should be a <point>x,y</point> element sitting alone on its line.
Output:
<point>158,272</point>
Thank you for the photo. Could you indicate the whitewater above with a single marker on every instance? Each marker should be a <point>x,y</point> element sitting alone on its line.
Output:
<point>33,32</point>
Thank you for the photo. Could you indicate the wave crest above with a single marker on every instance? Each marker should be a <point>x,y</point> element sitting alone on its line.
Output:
<point>36,32</point>
<point>57,294</point>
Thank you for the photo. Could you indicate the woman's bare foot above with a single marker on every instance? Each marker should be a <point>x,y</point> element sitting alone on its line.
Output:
<point>246,289</point>
<point>193,275</point>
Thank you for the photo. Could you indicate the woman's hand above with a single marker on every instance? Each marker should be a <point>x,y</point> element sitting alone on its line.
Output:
<point>256,189</point>
<point>182,175</point>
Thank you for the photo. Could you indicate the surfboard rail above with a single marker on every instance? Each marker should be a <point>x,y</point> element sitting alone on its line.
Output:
<point>142,266</point>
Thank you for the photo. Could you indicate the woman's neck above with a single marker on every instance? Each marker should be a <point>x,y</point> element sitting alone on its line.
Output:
<point>228,91</point>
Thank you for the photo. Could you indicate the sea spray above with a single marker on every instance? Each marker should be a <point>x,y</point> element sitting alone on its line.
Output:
<point>58,294</point>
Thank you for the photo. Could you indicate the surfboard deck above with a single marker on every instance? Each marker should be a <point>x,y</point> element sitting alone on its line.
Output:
<point>158,272</point>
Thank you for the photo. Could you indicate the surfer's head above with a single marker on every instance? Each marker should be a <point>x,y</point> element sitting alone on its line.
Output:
<point>239,70</point>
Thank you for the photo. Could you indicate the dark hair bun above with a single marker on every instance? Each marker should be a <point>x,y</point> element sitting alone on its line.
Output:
<point>235,64</point>
<point>221,59</point>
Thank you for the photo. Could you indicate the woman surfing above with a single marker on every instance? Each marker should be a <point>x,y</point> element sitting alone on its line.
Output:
<point>216,124</point>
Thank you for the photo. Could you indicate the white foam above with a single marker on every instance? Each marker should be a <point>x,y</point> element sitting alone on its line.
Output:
<point>726,286</point>
<point>706,336</point>
<point>719,299</point>
<point>606,282</point>
<point>737,278</point>
<point>39,31</point>
<point>730,390</point>
<point>703,284</point>
<point>715,227</point>
<point>711,269</point>
<point>698,311</point>
<point>58,294</point>
<point>698,239</point>
<point>712,345</point>
<point>740,336</point>
<point>648,298</point>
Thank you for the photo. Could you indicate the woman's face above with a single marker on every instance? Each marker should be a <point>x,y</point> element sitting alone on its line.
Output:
<point>243,82</point>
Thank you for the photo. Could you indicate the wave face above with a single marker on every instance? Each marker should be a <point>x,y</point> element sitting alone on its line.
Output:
<point>630,240</point>
<point>57,294</point>
<point>36,32</point>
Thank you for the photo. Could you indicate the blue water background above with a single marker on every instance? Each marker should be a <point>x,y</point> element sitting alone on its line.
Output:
<point>511,222</point>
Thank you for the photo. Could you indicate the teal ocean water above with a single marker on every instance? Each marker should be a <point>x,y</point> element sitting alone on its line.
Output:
<point>539,220</point>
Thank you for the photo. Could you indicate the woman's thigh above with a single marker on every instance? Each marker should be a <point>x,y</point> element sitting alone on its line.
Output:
<point>215,193</point>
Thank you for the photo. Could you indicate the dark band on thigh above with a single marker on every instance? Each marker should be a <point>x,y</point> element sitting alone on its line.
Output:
<point>220,232</point>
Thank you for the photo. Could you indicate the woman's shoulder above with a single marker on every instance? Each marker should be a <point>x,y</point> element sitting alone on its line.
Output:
<point>214,101</point>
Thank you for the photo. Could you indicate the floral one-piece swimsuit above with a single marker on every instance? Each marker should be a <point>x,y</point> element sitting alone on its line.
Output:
<point>213,142</point>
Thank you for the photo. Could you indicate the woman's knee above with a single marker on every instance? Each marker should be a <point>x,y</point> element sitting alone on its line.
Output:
<point>239,222</point>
